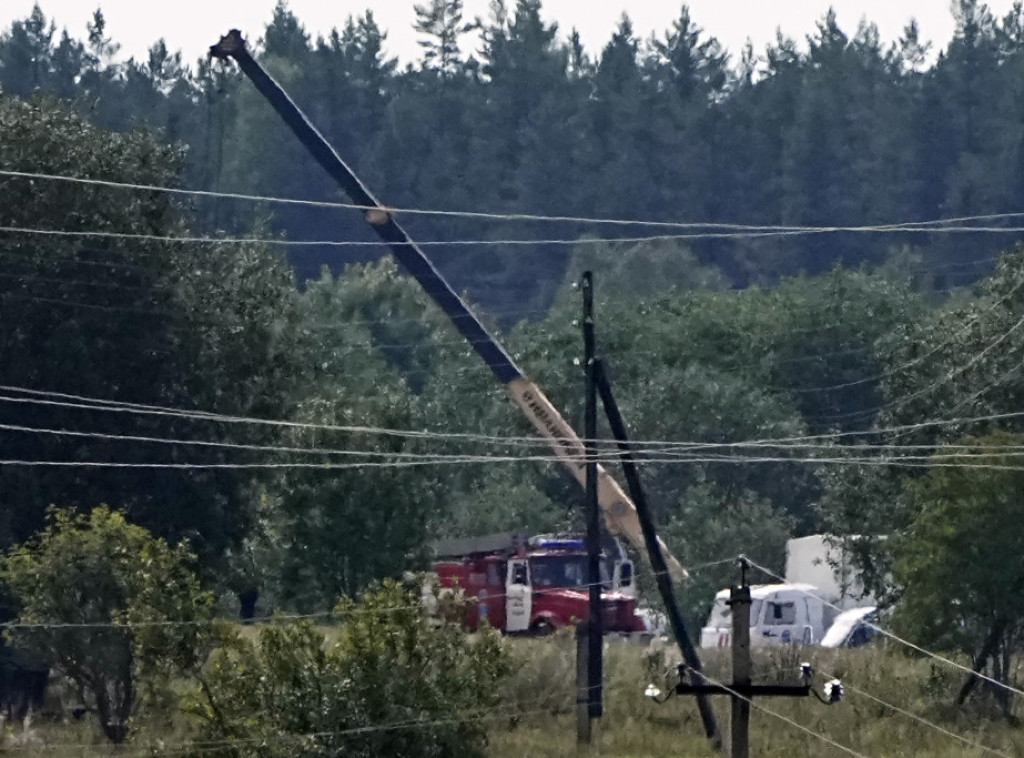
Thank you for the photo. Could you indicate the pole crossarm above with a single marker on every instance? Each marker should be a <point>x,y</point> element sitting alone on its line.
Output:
<point>746,690</point>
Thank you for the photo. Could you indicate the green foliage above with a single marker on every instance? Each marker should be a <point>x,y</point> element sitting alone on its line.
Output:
<point>128,320</point>
<point>368,518</point>
<point>931,378</point>
<point>863,501</point>
<point>504,502</point>
<point>726,367</point>
<point>441,24</point>
<point>957,566</point>
<point>958,361</point>
<point>113,607</point>
<point>711,524</point>
<point>668,128</point>
<point>392,682</point>
<point>537,716</point>
<point>640,269</point>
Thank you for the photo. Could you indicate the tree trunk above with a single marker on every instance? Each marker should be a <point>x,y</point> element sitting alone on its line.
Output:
<point>988,649</point>
<point>113,728</point>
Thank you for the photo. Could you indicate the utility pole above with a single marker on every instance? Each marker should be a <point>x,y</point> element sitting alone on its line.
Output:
<point>583,731</point>
<point>654,552</point>
<point>739,602</point>
<point>595,630</point>
<point>742,690</point>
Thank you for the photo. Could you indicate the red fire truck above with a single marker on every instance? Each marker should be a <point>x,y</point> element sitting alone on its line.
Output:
<point>534,585</point>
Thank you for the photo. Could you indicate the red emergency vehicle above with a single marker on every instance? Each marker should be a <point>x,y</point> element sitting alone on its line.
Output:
<point>531,586</point>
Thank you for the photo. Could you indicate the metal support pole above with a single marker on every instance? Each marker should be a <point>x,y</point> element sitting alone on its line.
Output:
<point>380,218</point>
<point>739,601</point>
<point>583,725</point>
<point>654,553</point>
<point>595,627</point>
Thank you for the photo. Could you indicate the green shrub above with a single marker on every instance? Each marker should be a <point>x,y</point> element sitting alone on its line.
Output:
<point>116,609</point>
<point>394,682</point>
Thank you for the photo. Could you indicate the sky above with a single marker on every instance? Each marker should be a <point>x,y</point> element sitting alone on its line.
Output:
<point>193,25</point>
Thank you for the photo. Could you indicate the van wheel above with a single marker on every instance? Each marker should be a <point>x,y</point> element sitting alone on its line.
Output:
<point>542,628</point>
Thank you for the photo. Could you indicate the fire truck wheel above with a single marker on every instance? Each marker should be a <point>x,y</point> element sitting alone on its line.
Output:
<point>542,628</point>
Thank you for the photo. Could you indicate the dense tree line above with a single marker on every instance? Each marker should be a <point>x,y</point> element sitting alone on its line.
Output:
<point>843,131</point>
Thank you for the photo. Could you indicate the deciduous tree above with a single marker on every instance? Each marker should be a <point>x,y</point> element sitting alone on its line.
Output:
<point>118,610</point>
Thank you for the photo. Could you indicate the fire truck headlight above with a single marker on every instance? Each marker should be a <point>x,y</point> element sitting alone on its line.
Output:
<point>652,691</point>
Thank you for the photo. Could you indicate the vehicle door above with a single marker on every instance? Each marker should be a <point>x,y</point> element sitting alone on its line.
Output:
<point>782,625</point>
<point>815,626</point>
<point>518,596</point>
<point>491,598</point>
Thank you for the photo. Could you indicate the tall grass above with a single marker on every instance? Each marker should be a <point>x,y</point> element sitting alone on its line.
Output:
<point>634,725</point>
<point>539,716</point>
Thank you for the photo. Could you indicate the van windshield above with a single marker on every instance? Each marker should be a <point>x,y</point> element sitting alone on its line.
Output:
<point>564,571</point>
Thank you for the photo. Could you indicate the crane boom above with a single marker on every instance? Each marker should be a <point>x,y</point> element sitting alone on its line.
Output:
<point>619,513</point>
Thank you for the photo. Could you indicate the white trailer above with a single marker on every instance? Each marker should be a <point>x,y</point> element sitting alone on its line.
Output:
<point>812,560</point>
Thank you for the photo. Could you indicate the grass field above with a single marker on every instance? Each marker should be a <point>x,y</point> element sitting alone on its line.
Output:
<point>636,726</point>
<point>539,719</point>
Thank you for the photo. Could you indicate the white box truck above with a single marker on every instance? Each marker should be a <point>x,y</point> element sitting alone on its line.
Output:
<point>812,560</point>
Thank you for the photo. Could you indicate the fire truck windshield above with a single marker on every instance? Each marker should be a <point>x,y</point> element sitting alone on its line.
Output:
<point>563,571</point>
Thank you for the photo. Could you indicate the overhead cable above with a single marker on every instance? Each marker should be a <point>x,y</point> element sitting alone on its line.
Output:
<point>926,226</point>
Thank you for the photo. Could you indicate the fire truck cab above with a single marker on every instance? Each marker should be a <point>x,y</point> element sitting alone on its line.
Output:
<point>535,587</point>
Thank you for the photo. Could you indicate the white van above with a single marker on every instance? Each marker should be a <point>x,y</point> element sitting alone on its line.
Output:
<point>780,614</point>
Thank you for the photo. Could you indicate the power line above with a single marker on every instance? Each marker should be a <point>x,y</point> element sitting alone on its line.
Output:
<point>902,401</point>
<point>945,343</point>
<point>884,430</point>
<point>216,444</point>
<point>6,253</point>
<point>79,402</point>
<point>654,455</point>
<point>1012,371</point>
<point>461,342</point>
<point>85,306</point>
<point>128,625</point>
<point>919,719</point>
<point>32,278</point>
<point>571,242</point>
<point>904,642</point>
<point>941,225</point>
<point>1015,369</point>
<point>756,706</point>
<point>410,345</point>
<point>455,460</point>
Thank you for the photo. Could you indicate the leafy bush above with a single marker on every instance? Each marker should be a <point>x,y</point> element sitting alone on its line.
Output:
<point>110,605</point>
<point>393,682</point>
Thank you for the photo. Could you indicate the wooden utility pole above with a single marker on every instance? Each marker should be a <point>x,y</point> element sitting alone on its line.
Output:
<point>739,602</point>
<point>595,630</point>
<point>662,576</point>
<point>742,690</point>
<point>584,733</point>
